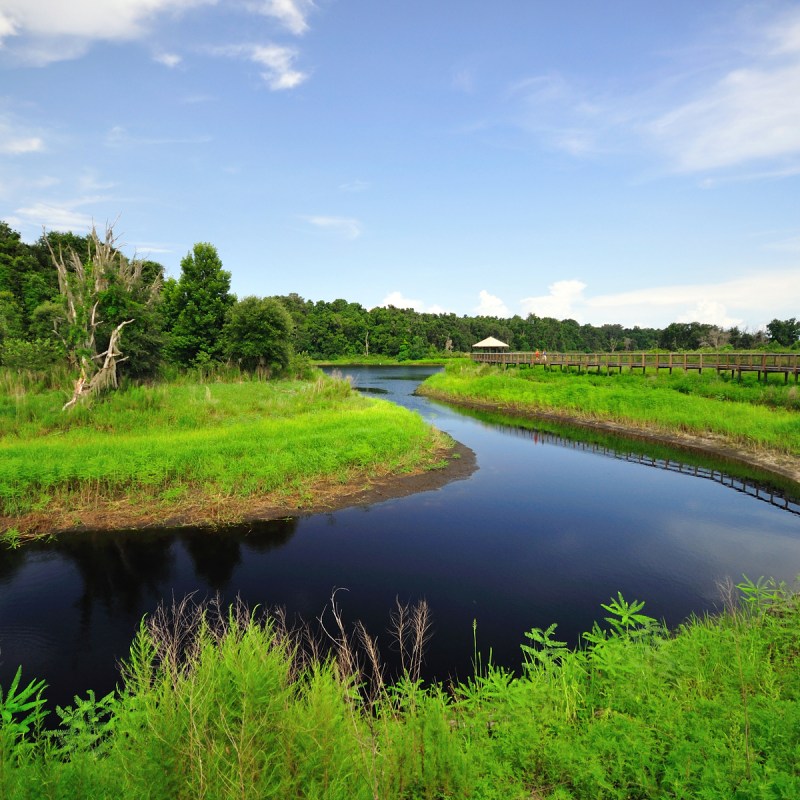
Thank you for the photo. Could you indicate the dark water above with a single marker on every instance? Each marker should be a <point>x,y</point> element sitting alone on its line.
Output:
<point>545,531</point>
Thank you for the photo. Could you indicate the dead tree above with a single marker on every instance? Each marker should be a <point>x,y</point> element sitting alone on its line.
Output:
<point>81,286</point>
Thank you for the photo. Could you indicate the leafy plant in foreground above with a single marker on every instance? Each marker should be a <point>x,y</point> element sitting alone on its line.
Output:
<point>21,715</point>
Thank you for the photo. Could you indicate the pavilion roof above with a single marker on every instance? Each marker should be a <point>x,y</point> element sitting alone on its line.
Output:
<point>490,342</point>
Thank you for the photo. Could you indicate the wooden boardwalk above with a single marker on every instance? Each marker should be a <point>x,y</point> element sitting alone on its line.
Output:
<point>762,363</point>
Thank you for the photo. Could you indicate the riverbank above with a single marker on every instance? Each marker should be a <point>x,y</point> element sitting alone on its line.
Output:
<point>662,410</point>
<point>212,455</point>
<point>226,703</point>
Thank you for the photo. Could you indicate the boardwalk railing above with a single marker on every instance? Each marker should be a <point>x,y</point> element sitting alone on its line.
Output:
<point>762,363</point>
<point>752,488</point>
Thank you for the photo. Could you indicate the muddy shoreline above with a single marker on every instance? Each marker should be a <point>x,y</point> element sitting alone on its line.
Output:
<point>324,497</point>
<point>783,465</point>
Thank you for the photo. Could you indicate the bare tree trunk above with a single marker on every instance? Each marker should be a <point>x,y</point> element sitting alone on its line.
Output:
<point>105,377</point>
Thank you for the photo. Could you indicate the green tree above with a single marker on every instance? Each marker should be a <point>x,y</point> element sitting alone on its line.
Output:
<point>10,317</point>
<point>257,334</point>
<point>785,332</point>
<point>196,307</point>
<point>26,271</point>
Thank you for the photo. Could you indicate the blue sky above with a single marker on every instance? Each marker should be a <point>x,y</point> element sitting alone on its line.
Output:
<point>623,162</point>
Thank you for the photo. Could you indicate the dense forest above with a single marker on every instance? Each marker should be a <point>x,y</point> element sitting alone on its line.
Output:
<point>77,298</point>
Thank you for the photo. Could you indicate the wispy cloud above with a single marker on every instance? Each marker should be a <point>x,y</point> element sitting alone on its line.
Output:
<point>278,62</point>
<point>118,136</point>
<point>347,227</point>
<point>291,14</point>
<point>147,249</point>
<point>18,139</point>
<point>170,60</point>
<point>788,245</point>
<point>63,216</point>
<point>15,146</point>
<point>730,108</point>
<point>354,186</point>
<point>751,114</point>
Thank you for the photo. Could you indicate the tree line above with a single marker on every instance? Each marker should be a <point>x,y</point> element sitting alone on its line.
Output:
<point>78,299</point>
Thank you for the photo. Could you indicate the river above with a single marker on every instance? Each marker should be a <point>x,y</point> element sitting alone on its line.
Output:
<point>544,531</point>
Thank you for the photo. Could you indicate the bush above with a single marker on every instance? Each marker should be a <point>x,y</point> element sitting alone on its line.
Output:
<point>38,355</point>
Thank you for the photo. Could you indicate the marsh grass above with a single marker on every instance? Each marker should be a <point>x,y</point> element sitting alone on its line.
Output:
<point>748,413</point>
<point>229,703</point>
<point>195,443</point>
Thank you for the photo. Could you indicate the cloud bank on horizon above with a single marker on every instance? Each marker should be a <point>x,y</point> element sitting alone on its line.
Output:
<point>629,165</point>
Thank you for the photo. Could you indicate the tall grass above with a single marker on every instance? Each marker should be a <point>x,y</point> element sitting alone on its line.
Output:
<point>224,703</point>
<point>748,413</point>
<point>194,443</point>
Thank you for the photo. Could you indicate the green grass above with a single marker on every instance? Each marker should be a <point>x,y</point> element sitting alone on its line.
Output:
<point>225,704</point>
<point>747,413</point>
<point>174,443</point>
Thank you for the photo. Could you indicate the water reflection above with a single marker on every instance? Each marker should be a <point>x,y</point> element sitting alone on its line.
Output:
<point>758,484</point>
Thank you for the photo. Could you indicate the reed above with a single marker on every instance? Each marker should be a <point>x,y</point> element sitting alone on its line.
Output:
<point>228,703</point>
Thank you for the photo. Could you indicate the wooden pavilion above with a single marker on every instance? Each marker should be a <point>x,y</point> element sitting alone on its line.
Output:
<point>491,345</point>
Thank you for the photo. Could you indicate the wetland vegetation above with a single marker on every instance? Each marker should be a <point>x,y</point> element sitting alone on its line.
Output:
<point>204,449</point>
<point>756,416</point>
<point>226,703</point>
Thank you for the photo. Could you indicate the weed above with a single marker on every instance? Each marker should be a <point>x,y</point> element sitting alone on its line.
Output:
<point>230,703</point>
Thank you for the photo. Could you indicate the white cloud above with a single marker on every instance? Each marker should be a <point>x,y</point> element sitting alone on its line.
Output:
<point>748,300</point>
<point>560,303</point>
<point>18,146</point>
<point>746,113</point>
<point>7,27</point>
<point>710,311</point>
<point>278,61</point>
<point>491,306</point>
<point>399,300</point>
<point>170,60</point>
<point>146,249</point>
<point>292,14</point>
<point>57,217</point>
<point>348,227</point>
<point>750,114</point>
<point>54,30</point>
<point>90,182</point>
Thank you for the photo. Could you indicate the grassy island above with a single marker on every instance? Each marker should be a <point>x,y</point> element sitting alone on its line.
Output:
<point>760,422</point>
<point>202,451</point>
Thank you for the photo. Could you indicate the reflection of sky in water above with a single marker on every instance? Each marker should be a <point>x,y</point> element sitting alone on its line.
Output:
<point>539,534</point>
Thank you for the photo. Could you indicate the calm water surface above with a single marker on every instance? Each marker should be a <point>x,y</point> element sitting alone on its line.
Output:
<point>541,533</point>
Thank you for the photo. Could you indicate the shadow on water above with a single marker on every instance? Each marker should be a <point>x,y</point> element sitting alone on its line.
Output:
<point>552,524</point>
<point>370,390</point>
